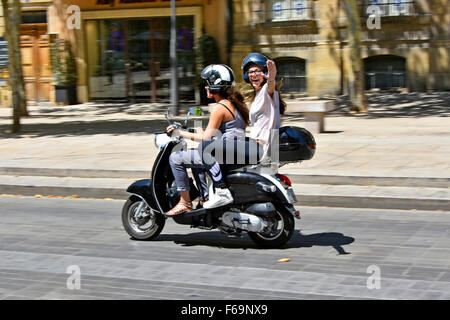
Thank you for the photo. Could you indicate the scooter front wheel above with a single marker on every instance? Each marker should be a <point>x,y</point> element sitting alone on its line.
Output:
<point>140,221</point>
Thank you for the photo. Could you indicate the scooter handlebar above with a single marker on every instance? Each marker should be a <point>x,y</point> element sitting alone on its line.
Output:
<point>178,126</point>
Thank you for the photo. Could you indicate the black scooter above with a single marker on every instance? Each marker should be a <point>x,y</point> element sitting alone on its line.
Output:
<point>263,199</point>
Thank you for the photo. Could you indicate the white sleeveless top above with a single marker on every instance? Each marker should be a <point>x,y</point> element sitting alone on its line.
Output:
<point>264,116</point>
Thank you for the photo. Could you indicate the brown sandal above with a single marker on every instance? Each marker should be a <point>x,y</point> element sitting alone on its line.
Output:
<point>180,208</point>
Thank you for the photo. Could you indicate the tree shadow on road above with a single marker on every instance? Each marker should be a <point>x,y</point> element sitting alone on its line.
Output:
<point>86,128</point>
<point>109,118</point>
<point>87,120</point>
<point>90,128</point>
<point>99,108</point>
<point>216,239</point>
<point>398,105</point>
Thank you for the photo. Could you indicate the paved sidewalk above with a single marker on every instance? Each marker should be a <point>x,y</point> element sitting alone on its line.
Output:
<point>403,142</point>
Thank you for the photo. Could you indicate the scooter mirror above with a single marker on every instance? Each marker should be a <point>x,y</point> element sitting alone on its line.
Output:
<point>167,116</point>
<point>187,118</point>
<point>196,110</point>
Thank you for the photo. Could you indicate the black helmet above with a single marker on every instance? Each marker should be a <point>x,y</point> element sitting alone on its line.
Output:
<point>254,58</point>
<point>219,77</point>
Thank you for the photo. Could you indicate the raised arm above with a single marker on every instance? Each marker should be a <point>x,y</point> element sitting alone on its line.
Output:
<point>270,77</point>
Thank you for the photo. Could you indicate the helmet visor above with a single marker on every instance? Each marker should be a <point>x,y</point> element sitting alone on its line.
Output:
<point>217,75</point>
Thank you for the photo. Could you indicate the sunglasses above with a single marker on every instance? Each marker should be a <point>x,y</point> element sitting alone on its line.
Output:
<point>254,72</point>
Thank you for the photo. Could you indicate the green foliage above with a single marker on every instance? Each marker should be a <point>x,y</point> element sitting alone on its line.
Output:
<point>63,63</point>
<point>208,51</point>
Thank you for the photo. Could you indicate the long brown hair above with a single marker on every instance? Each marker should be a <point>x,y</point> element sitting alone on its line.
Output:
<point>282,104</point>
<point>236,98</point>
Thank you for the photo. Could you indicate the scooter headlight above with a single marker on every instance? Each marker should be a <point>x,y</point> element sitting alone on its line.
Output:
<point>161,139</point>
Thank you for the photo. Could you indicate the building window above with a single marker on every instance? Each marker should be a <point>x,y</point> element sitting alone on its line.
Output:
<point>285,10</point>
<point>385,72</point>
<point>130,58</point>
<point>32,17</point>
<point>280,10</point>
<point>390,8</point>
<point>291,72</point>
<point>257,11</point>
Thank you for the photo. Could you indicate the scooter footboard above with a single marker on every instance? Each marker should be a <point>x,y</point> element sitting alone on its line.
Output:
<point>167,197</point>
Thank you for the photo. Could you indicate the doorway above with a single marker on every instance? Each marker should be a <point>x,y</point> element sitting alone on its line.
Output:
<point>37,73</point>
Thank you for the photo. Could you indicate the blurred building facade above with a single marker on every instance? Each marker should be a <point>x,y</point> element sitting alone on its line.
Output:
<point>122,46</point>
<point>409,49</point>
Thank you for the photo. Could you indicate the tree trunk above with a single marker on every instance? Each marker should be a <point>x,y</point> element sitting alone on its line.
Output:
<point>173,60</point>
<point>356,72</point>
<point>12,33</point>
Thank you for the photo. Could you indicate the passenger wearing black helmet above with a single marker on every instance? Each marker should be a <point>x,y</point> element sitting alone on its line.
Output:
<point>228,120</point>
<point>266,104</point>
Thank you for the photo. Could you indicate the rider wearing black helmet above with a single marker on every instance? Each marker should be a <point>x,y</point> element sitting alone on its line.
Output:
<point>228,119</point>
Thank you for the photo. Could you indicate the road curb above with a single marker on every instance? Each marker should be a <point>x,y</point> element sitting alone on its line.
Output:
<point>79,173</point>
<point>431,182</point>
<point>81,192</point>
<point>303,200</point>
<point>373,202</point>
<point>370,180</point>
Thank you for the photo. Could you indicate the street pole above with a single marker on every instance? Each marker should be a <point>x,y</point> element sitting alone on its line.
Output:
<point>173,59</point>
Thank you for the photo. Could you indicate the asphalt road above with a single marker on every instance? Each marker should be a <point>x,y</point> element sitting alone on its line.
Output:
<point>77,249</point>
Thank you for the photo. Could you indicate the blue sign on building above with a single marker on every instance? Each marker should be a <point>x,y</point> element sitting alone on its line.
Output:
<point>4,54</point>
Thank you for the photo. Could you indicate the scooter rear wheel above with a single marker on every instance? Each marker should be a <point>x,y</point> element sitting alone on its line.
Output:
<point>140,221</point>
<point>278,233</point>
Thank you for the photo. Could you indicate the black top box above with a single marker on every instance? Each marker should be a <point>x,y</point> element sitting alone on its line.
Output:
<point>295,144</point>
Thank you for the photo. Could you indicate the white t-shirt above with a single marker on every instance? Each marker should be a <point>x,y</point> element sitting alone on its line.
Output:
<point>264,116</point>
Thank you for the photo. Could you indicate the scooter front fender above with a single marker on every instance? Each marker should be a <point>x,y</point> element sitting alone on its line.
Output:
<point>142,189</point>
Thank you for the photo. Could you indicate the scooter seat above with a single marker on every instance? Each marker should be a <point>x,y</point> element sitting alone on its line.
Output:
<point>228,167</point>
<point>244,154</point>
